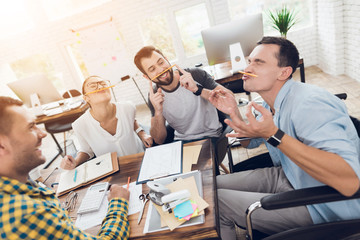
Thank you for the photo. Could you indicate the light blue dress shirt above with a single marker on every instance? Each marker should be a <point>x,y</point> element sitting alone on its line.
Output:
<point>318,119</point>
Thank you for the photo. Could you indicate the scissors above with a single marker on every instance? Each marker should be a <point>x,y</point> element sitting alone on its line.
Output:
<point>144,198</point>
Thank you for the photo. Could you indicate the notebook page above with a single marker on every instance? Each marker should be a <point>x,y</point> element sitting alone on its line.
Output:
<point>98,167</point>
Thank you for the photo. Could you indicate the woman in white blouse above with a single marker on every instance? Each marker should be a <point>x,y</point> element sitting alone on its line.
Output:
<point>106,126</point>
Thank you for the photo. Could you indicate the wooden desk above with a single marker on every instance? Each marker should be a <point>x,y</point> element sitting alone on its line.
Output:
<point>61,116</point>
<point>130,165</point>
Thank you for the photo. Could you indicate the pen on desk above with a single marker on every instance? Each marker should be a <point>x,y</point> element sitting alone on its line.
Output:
<point>127,188</point>
<point>75,175</point>
<point>253,75</point>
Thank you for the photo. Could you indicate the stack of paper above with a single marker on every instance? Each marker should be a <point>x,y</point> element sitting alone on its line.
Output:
<point>187,215</point>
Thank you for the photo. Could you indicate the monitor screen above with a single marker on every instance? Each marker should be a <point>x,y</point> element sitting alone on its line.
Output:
<point>248,31</point>
<point>39,84</point>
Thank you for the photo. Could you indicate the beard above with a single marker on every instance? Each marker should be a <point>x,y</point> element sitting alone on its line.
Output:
<point>166,81</point>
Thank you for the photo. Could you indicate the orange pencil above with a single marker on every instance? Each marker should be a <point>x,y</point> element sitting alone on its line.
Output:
<point>253,75</point>
<point>162,72</point>
<point>99,90</point>
<point>127,188</point>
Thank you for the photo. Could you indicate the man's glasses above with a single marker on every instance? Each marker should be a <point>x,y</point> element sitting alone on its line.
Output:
<point>95,85</point>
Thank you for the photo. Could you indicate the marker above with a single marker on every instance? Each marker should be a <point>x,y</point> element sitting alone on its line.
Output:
<point>162,72</point>
<point>253,75</point>
<point>99,90</point>
<point>127,188</point>
<point>75,175</point>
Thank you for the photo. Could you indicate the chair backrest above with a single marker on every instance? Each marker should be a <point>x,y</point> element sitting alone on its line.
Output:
<point>73,92</point>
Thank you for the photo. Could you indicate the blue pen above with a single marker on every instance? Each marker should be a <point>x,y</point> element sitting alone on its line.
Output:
<point>75,175</point>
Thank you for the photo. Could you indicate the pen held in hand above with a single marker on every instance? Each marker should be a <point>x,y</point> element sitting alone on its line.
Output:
<point>250,74</point>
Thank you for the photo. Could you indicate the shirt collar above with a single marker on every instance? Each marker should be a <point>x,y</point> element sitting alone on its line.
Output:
<point>282,94</point>
<point>13,186</point>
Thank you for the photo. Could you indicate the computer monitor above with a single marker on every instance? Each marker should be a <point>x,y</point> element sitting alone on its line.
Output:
<point>39,84</point>
<point>248,31</point>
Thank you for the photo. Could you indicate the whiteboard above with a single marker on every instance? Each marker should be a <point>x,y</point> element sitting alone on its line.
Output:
<point>103,51</point>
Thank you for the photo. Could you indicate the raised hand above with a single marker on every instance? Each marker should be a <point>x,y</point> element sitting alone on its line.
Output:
<point>263,127</point>
<point>157,99</point>
<point>224,101</point>
<point>186,80</point>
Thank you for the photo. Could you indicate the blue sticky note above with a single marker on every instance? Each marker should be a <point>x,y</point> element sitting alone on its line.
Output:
<point>183,209</point>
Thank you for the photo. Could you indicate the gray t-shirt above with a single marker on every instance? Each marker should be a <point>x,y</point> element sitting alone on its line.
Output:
<point>192,117</point>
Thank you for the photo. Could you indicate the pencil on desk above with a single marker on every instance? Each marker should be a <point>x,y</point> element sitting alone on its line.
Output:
<point>253,75</point>
<point>162,72</point>
<point>127,188</point>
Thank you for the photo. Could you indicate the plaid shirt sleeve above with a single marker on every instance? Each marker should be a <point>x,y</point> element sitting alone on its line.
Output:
<point>41,217</point>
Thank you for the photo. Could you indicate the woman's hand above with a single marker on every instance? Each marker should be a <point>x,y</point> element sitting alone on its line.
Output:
<point>68,163</point>
<point>146,139</point>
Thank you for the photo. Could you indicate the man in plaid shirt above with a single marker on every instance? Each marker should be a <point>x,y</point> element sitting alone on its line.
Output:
<point>29,211</point>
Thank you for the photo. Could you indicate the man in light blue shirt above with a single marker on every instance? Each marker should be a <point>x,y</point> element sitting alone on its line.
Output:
<point>310,138</point>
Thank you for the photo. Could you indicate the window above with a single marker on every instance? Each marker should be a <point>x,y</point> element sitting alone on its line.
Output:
<point>14,18</point>
<point>178,31</point>
<point>190,22</point>
<point>301,7</point>
<point>37,64</point>
<point>156,32</point>
<point>56,9</point>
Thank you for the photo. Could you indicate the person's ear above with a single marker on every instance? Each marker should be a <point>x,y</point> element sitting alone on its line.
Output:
<point>4,145</point>
<point>285,73</point>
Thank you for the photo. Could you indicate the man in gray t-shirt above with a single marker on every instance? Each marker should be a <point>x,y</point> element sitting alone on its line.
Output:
<point>181,98</point>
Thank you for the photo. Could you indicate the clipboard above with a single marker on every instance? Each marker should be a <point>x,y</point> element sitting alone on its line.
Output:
<point>161,161</point>
<point>88,172</point>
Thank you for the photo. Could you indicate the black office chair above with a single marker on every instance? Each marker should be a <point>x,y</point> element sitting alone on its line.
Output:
<point>61,126</point>
<point>347,229</point>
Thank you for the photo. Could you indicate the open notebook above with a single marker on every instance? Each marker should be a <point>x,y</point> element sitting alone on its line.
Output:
<point>88,172</point>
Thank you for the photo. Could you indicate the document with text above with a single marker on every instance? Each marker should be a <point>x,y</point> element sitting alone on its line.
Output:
<point>161,161</point>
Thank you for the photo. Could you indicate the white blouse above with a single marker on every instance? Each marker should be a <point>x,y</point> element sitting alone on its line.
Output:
<point>93,139</point>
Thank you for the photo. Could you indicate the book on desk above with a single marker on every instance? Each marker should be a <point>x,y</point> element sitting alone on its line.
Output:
<point>88,172</point>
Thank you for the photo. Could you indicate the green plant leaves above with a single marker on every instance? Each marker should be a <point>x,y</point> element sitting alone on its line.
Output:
<point>283,20</point>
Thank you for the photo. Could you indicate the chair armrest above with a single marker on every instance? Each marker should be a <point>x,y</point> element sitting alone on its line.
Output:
<point>305,196</point>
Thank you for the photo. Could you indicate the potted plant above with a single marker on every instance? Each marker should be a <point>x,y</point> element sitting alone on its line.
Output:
<point>282,20</point>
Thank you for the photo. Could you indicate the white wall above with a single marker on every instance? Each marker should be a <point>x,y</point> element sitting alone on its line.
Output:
<point>332,42</point>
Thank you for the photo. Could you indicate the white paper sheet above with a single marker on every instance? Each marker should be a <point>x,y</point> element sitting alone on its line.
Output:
<point>161,161</point>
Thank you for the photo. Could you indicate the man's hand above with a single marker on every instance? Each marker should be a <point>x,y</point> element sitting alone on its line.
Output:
<point>186,80</point>
<point>224,101</point>
<point>157,99</point>
<point>146,139</point>
<point>264,127</point>
<point>117,191</point>
<point>68,163</point>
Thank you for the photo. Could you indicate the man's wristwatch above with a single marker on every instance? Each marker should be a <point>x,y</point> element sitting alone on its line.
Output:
<point>275,139</point>
<point>200,88</point>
